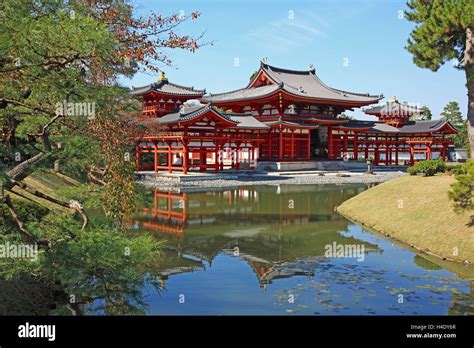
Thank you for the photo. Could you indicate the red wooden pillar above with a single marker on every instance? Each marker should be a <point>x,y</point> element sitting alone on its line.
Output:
<point>387,155</point>
<point>216,157</point>
<point>202,159</point>
<point>170,158</point>
<point>221,164</point>
<point>396,154</point>
<point>443,153</point>
<point>270,145</point>
<point>356,147</point>
<point>155,160</point>
<point>237,156</point>
<point>185,151</point>
<point>185,158</point>
<point>367,145</point>
<point>280,155</point>
<point>344,149</point>
<point>428,152</point>
<point>330,155</point>
<point>376,151</point>
<point>252,155</point>
<point>308,144</point>
<point>412,155</point>
<point>292,144</point>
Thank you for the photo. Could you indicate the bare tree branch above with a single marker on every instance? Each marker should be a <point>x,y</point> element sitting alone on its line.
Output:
<point>18,103</point>
<point>18,171</point>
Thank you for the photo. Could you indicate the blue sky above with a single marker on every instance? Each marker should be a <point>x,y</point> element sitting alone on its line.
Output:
<point>354,45</point>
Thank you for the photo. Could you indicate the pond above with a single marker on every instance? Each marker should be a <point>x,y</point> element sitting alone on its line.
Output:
<point>283,250</point>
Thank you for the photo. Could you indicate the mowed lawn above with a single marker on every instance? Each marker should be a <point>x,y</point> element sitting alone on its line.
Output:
<point>415,210</point>
<point>48,182</point>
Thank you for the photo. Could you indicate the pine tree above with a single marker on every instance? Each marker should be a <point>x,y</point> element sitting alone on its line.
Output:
<point>424,115</point>
<point>55,52</point>
<point>444,31</point>
<point>427,115</point>
<point>452,113</point>
<point>462,190</point>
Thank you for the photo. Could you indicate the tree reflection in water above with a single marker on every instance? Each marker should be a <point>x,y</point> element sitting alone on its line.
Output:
<point>270,227</point>
<point>281,232</point>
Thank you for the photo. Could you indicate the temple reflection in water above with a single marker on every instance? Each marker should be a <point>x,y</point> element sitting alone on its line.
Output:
<point>280,231</point>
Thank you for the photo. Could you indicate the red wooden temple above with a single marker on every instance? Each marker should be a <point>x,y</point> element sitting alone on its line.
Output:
<point>282,115</point>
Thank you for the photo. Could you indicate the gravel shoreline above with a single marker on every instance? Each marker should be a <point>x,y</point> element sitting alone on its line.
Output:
<point>287,179</point>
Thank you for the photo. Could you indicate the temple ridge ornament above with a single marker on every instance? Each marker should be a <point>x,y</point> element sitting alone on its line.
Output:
<point>162,77</point>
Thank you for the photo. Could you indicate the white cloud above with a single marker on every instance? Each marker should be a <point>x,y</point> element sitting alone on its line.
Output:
<point>287,34</point>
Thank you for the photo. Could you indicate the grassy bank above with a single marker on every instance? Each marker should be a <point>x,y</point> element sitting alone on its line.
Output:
<point>415,210</point>
<point>48,182</point>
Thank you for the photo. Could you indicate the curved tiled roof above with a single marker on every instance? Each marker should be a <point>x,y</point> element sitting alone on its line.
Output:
<point>192,112</point>
<point>408,128</point>
<point>394,108</point>
<point>425,126</point>
<point>248,122</point>
<point>304,84</point>
<point>307,84</point>
<point>163,86</point>
<point>243,93</point>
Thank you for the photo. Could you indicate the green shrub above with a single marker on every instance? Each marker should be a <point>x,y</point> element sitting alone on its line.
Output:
<point>428,167</point>
<point>462,190</point>
<point>456,170</point>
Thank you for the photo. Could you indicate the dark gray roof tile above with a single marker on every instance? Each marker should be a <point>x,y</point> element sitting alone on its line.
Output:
<point>299,83</point>
<point>424,126</point>
<point>191,112</point>
<point>394,108</point>
<point>163,86</point>
<point>417,127</point>
<point>307,84</point>
<point>243,93</point>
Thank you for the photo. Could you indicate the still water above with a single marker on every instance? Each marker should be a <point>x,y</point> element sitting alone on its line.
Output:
<point>264,250</point>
